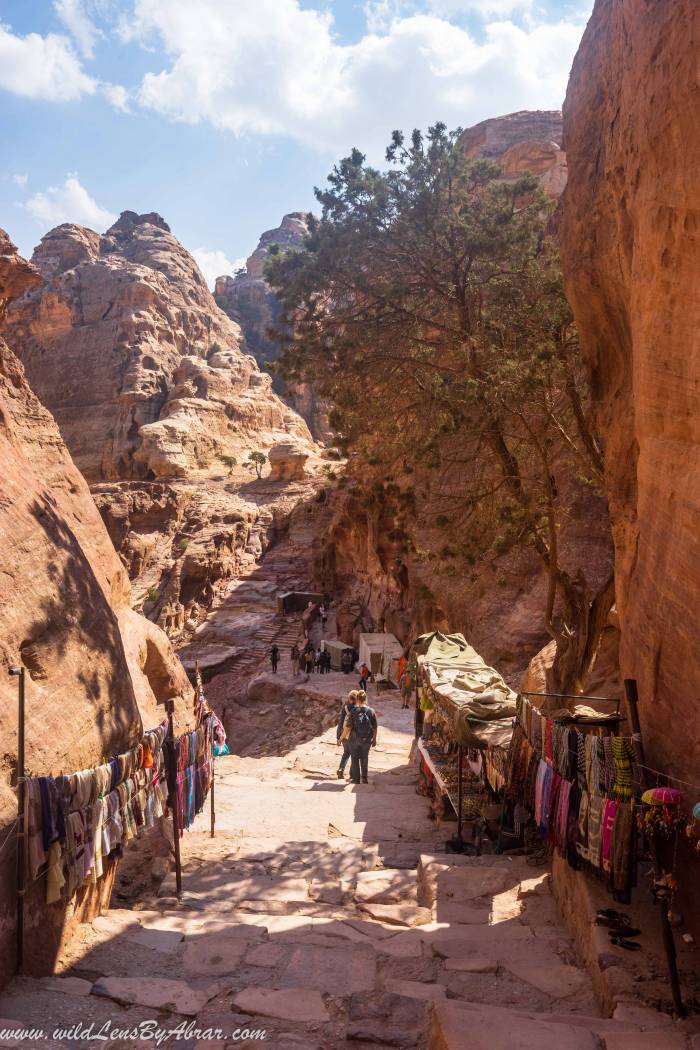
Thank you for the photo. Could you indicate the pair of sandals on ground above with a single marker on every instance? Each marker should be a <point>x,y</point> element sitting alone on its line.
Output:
<point>620,928</point>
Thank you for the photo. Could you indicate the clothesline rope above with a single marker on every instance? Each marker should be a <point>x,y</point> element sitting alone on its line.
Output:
<point>667,776</point>
<point>9,834</point>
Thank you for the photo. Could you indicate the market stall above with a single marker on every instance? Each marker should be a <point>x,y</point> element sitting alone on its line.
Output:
<point>336,648</point>
<point>382,652</point>
<point>467,725</point>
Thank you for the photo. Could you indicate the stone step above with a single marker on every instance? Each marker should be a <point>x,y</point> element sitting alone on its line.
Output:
<point>500,1028</point>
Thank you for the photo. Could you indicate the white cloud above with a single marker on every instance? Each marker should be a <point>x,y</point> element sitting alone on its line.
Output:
<point>481,8</point>
<point>42,67</point>
<point>70,202</point>
<point>76,20</point>
<point>116,95</point>
<point>272,67</point>
<point>20,179</point>
<point>215,264</point>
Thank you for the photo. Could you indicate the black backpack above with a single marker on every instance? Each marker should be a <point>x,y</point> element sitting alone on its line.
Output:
<point>361,725</point>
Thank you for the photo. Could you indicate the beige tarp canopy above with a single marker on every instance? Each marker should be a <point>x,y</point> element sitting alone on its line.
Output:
<point>381,653</point>
<point>336,649</point>
<point>472,695</point>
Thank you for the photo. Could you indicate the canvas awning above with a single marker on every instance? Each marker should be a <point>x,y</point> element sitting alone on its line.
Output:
<point>381,652</point>
<point>336,648</point>
<point>472,696</point>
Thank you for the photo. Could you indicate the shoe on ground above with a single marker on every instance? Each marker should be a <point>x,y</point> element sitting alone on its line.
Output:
<point>341,774</point>
<point>354,781</point>
<point>365,780</point>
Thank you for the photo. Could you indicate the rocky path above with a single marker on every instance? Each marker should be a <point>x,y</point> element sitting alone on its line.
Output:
<point>329,917</point>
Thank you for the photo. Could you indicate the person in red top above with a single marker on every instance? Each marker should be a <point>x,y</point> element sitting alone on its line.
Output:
<point>364,676</point>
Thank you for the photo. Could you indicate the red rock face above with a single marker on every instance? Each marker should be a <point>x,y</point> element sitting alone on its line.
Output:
<point>124,344</point>
<point>630,237</point>
<point>97,673</point>
<point>248,300</point>
<point>526,141</point>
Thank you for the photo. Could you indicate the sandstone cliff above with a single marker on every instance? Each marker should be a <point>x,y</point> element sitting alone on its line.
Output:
<point>248,300</point>
<point>97,672</point>
<point>630,243</point>
<point>157,403</point>
<point>169,391</point>
<point>526,141</point>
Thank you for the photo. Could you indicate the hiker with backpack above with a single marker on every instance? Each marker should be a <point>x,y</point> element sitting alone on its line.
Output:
<point>362,736</point>
<point>343,730</point>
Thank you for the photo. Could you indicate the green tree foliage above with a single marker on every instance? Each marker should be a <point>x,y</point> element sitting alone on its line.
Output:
<point>429,309</point>
<point>257,460</point>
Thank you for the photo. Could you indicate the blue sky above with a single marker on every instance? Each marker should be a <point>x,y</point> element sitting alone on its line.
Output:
<point>223,114</point>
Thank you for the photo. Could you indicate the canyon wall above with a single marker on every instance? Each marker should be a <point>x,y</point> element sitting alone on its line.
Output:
<point>158,404</point>
<point>526,141</point>
<point>247,298</point>
<point>630,241</point>
<point>97,673</point>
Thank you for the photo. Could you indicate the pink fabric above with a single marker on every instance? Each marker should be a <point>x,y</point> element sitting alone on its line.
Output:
<point>541,770</point>
<point>607,824</point>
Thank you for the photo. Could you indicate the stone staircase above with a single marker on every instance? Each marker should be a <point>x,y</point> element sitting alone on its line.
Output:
<point>329,916</point>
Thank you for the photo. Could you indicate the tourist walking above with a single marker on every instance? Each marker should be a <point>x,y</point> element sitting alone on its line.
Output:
<point>274,658</point>
<point>406,687</point>
<point>318,662</point>
<point>327,661</point>
<point>346,661</point>
<point>309,659</point>
<point>364,676</point>
<point>363,736</point>
<point>323,613</point>
<point>296,656</point>
<point>342,731</point>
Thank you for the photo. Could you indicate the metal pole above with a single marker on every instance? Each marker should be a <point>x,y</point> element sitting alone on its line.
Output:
<point>212,819</point>
<point>18,672</point>
<point>666,928</point>
<point>172,786</point>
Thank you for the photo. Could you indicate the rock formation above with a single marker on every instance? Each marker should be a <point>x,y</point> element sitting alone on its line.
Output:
<point>524,141</point>
<point>159,406</point>
<point>97,673</point>
<point>631,250</point>
<point>287,462</point>
<point>169,391</point>
<point>249,301</point>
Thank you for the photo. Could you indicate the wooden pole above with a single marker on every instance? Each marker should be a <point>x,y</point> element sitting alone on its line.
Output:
<point>172,786</point>
<point>460,791</point>
<point>666,928</point>
<point>19,673</point>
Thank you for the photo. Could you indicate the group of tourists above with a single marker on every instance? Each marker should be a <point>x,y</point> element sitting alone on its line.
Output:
<point>357,732</point>
<point>308,659</point>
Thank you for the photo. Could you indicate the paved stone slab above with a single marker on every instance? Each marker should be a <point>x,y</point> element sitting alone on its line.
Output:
<point>501,1029</point>
<point>216,955</point>
<point>266,955</point>
<point>476,964</point>
<point>388,1019</point>
<point>287,1004</point>
<point>660,1039</point>
<point>160,993</point>
<point>67,985</point>
<point>555,978</point>
<point>386,886</point>
<point>151,937</point>
<point>645,1016</point>
<point>417,990</point>
<point>398,914</point>
<point>340,970</point>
